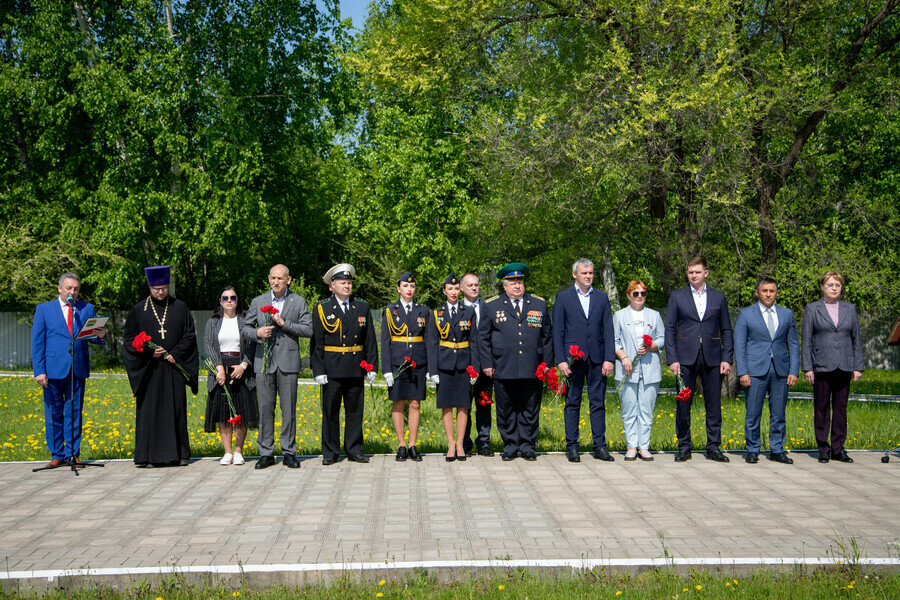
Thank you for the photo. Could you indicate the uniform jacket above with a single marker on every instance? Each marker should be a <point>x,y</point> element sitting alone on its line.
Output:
<point>334,329</point>
<point>460,330</point>
<point>396,325</point>
<point>284,345</point>
<point>592,334</point>
<point>50,341</point>
<point>755,349</point>
<point>827,347</point>
<point>684,329</point>
<point>211,345</point>
<point>515,346</point>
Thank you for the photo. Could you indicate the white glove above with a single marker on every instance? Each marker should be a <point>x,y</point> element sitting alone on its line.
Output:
<point>370,376</point>
<point>321,379</point>
<point>389,378</point>
<point>436,379</point>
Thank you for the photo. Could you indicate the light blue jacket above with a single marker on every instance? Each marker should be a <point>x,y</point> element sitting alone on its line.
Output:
<point>647,365</point>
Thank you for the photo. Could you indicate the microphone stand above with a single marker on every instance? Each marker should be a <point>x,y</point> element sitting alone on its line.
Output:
<point>71,462</point>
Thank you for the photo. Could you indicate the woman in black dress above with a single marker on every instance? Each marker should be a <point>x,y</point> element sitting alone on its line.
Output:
<point>452,359</point>
<point>232,356</point>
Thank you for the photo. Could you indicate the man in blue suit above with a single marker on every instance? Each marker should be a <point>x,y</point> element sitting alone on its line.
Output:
<point>767,358</point>
<point>56,323</point>
<point>699,344</point>
<point>582,316</point>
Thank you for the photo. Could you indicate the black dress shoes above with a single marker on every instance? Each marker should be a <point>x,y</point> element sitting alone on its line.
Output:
<point>824,457</point>
<point>485,451</point>
<point>461,457</point>
<point>401,454</point>
<point>572,455</point>
<point>328,461</point>
<point>529,455</point>
<point>716,455</point>
<point>507,456</point>
<point>753,457</point>
<point>603,454</point>
<point>683,455</point>
<point>186,461</point>
<point>291,461</point>
<point>360,458</point>
<point>781,457</point>
<point>264,462</point>
<point>843,457</point>
<point>414,454</point>
<point>449,458</point>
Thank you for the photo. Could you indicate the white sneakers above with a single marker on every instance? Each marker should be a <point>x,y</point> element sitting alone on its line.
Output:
<point>227,459</point>
<point>238,459</point>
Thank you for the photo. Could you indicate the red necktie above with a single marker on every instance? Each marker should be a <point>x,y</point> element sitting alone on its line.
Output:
<point>69,318</point>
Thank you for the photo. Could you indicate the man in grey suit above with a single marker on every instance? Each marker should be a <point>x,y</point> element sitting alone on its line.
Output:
<point>277,346</point>
<point>767,356</point>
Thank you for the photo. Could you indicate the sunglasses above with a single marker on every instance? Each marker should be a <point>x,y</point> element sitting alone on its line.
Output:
<point>637,294</point>
<point>229,298</point>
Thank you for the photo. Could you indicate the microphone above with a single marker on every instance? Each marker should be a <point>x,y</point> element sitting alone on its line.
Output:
<point>70,300</point>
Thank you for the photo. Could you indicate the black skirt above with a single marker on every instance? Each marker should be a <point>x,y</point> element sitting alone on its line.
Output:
<point>408,385</point>
<point>217,409</point>
<point>453,390</point>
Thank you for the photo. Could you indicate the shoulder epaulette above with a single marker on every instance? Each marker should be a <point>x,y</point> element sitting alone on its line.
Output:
<point>360,301</point>
<point>492,298</point>
<point>538,297</point>
<point>323,301</point>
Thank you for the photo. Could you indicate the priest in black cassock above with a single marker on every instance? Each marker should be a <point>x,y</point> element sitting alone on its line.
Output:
<point>160,431</point>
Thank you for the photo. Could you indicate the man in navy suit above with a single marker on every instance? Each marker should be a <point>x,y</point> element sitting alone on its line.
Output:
<point>54,355</point>
<point>582,316</point>
<point>767,358</point>
<point>471,290</point>
<point>699,344</point>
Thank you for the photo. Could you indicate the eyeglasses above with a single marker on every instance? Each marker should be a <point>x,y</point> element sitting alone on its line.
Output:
<point>229,298</point>
<point>637,294</point>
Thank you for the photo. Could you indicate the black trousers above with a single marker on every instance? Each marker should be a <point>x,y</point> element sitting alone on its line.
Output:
<point>518,410</point>
<point>350,390</point>
<point>712,395</point>
<point>482,416</point>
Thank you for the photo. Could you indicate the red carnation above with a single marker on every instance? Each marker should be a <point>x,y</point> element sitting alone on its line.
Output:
<point>541,372</point>
<point>367,366</point>
<point>485,399</point>
<point>648,341</point>
<point>235,420</point>
<point>139,341</point>
<point>268,308</point>
<point>573,350</point>
<point>472,372</point>
<point>683,395</point>
<point>411,362</point>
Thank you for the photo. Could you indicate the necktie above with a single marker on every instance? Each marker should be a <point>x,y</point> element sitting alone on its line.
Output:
<point>770,322</point>
<point>345,306</point>
<point>69,318</point>
<point>516,304</point>
<point>406,306</point>
<point>453,312</point>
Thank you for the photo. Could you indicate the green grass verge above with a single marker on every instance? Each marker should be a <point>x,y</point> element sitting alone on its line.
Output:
<point>515,584</point>
<point>109,422</point>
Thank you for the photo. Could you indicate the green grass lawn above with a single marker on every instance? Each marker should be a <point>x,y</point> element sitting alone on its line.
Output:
<point>109,421</point>
<point>517,584</point>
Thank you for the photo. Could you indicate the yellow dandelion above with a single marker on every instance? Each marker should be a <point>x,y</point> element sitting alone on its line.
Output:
<point>699,587</point>
<point>501,587</point>
<point>382,582</point>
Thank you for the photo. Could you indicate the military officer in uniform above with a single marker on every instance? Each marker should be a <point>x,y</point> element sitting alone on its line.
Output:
<point>515,338</point>
<point>403,328</point>
<point>343,338</point>
<point>452,359</point>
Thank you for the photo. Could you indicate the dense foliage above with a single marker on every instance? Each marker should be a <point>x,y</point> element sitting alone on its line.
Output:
<point>450,135</point>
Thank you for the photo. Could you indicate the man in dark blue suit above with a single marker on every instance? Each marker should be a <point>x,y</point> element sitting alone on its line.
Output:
<point>582,316</point>
<point>699,344</point>
<point>767,358</point>
<point>54,354</point>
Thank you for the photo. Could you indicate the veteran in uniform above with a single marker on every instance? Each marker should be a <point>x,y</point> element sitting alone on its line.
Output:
<point>403,328</point>
<point>515,338</point>
<point>343,339</point>
<point>452,360</point>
